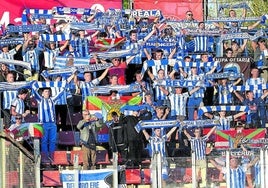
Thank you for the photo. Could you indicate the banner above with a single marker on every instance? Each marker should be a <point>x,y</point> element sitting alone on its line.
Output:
<point>88,178</point>
<point>236,65</point>
<point>11,10</point>
<point>172,9</point>
<point>224,137</point>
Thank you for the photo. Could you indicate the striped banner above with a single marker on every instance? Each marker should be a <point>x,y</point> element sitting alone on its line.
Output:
<point>132,88</point>
<point>16,62</point>
<point>204,109</point>
<point>27,28</point>
<point>10,41</point>
<point>250,87</point>
<point>73,11</point>
<point>35,14</point>
<point>152,124</point>
<point>179,83</point>
<point>231,36</point>
<point>54,37</point>
<point>14,85</point>
<point>73,69</point>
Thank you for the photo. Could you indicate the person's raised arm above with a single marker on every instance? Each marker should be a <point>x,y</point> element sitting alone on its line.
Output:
<point>147,54</point>
<point>210,116</point>
<point>128,60</point>
<point>64,46</point>
<point>211,131</point>
<point>103,74</point>
<point>187,134</point>
<point>238,115</point>
<point>264,95</point>
<point>147,136</point>
<point>150,74</point>
<point>171,131</point>
<point>194,90</point>
<point>239,96</point>
<point>215,165</point>
<point>150,34</point>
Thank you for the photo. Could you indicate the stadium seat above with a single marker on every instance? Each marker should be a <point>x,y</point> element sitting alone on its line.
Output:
<point>147,176</point>
<point>12,179</point>
<point>102,157</point>
<point>61,158</point>
<point>31,118</point>
<point>67,138</point>
<point>133,176</point>
<point>80,156</point>
<point>51,178</point>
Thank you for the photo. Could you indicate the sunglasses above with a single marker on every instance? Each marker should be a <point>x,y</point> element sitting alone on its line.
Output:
<point>116,59</point>
<point>190,14</point>
<point>18,118</point>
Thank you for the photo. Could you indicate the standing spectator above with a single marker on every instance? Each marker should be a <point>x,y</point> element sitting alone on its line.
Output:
<point>189,17</point>
<point>158,145</point>
<point>9,54</point>
<point>84,87</point>
<point>237,172</point>
<point>47,116</point>
<point>117,136</point>
<point>81,43</point>
<point>8,97</point>
<point>18,105</point>
<point>224,121</point>
<point>208,94</point>
<point>119,68</point>
<point>256,81</point>
<point>253,118</point>
<point>261,55</point>
<point>198,145</point>
<point>178,101</point>
<point>237,50</point>
<point>51,52</point>
<point>143,85</point>
<point>134,139</point>
<point>88,138</point>
<point>203,43</point>
<point>15,126</point>
<point>30,54</point>
<point>196,99</point>
<point>3,72</point>
<point>224,91</point>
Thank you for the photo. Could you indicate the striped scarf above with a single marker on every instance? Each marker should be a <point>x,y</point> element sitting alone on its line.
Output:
<point>205,109</point>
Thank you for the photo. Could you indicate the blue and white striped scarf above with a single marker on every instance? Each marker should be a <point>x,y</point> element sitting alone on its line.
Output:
<point>14,85</point>
<point>73,11</point>
<point>27,28</point>
<point>10,41</point>
<point>36,14</point>
<point>205,109</point>
<point>54,37</point>
<point>152,124</point>
<point>250,87</point>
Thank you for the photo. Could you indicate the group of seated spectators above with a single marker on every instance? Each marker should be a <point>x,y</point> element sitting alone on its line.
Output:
<point>173,63</point>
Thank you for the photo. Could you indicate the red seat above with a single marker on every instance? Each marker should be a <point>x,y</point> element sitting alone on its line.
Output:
<point>133,176</point>
<point>51,178</point>
<point>147,176</point>
<point>80,156</point>
<point>12,179</point>
<point>61,158</point>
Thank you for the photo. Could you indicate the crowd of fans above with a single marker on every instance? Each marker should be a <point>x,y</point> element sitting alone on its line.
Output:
<point>171,68</point>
